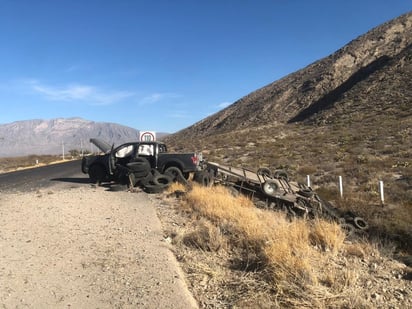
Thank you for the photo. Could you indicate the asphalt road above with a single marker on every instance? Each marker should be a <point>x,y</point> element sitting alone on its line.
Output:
<point>43,177</point>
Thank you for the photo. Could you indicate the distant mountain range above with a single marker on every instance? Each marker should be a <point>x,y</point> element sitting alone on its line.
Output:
<point>50,136</point>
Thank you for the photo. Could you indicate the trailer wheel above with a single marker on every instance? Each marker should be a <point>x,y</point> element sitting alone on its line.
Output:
<point>281,174</point>
<point>271,187</point>
<point>264,172</point>
<point>360,223</point>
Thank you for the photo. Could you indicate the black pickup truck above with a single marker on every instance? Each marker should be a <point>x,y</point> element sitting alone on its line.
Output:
<point>116,162</point>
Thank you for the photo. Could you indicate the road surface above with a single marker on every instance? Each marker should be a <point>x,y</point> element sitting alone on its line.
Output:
<point>41,177</point>
<point>65,243</point>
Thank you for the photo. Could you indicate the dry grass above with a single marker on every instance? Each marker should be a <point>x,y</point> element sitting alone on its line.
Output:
<point>9,164</point>
<point>355,150</point>
<point>293,258</point>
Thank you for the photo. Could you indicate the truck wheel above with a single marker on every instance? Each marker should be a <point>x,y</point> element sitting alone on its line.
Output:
<point>97,173</point>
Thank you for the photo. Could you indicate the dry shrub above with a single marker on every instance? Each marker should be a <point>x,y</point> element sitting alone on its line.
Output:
<point>205,236</point>
<point>295,255</point>
<point>176,186</point>
<point>327,235</point>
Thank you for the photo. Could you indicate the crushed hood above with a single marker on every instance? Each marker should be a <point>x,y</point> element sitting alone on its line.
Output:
<point>101,144</point>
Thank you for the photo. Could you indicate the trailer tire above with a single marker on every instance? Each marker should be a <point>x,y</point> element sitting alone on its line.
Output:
<point>360,223</point>
<point>270,187</point>
<point>265,172</point>
<point>281,174</point>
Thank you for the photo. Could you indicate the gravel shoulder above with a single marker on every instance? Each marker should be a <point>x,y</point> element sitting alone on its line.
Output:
<point>83,247</point>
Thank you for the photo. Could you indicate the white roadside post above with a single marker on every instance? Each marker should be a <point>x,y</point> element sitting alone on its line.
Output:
<point>381,192</point>
<point>340,186</point>
<point>63,149</point>
<point>308,180</point>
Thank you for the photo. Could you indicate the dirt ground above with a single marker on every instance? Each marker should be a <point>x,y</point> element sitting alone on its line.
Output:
<point>82,246</point>
<point>86,247</point>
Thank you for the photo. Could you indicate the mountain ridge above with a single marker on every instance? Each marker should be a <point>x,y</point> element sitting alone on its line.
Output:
<point>39,136</point>
<point>287,99</point>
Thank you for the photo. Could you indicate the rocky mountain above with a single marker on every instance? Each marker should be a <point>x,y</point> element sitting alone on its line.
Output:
<point>48,136</point>
<point>376,64</point>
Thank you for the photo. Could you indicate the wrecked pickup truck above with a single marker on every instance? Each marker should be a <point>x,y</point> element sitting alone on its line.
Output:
<point>133,159</point>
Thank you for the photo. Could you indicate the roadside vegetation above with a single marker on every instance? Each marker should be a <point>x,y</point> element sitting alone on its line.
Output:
<point>238,256</point>
<point>9,164</point>
<point>325,151</point>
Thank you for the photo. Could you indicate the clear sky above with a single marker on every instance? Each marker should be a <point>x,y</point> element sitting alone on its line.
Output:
<point>163,65</point>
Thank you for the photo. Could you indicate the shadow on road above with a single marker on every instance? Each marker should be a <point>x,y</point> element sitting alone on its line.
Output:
<point>72,179</point>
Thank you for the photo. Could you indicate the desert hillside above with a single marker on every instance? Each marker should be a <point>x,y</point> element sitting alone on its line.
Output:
<point>349,115</point>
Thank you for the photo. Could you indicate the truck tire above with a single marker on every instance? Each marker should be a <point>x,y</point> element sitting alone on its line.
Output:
<point>359,223</point>
<point>176,174</point>
<point>154,188</point>
<point>140,174</point>
<point>204,178</point>
<point>138,165</point>
<point>349,229</point>
<point>160,180</point>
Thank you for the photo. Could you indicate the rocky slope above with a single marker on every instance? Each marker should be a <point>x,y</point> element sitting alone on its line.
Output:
<point>48,136</point>
<point>319,86</point>
<point>349,114</point>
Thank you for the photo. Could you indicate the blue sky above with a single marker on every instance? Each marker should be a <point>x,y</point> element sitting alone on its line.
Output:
<point>163,65</point>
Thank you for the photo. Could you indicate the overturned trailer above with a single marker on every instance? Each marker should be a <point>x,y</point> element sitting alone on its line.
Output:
<point>274,190</point>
